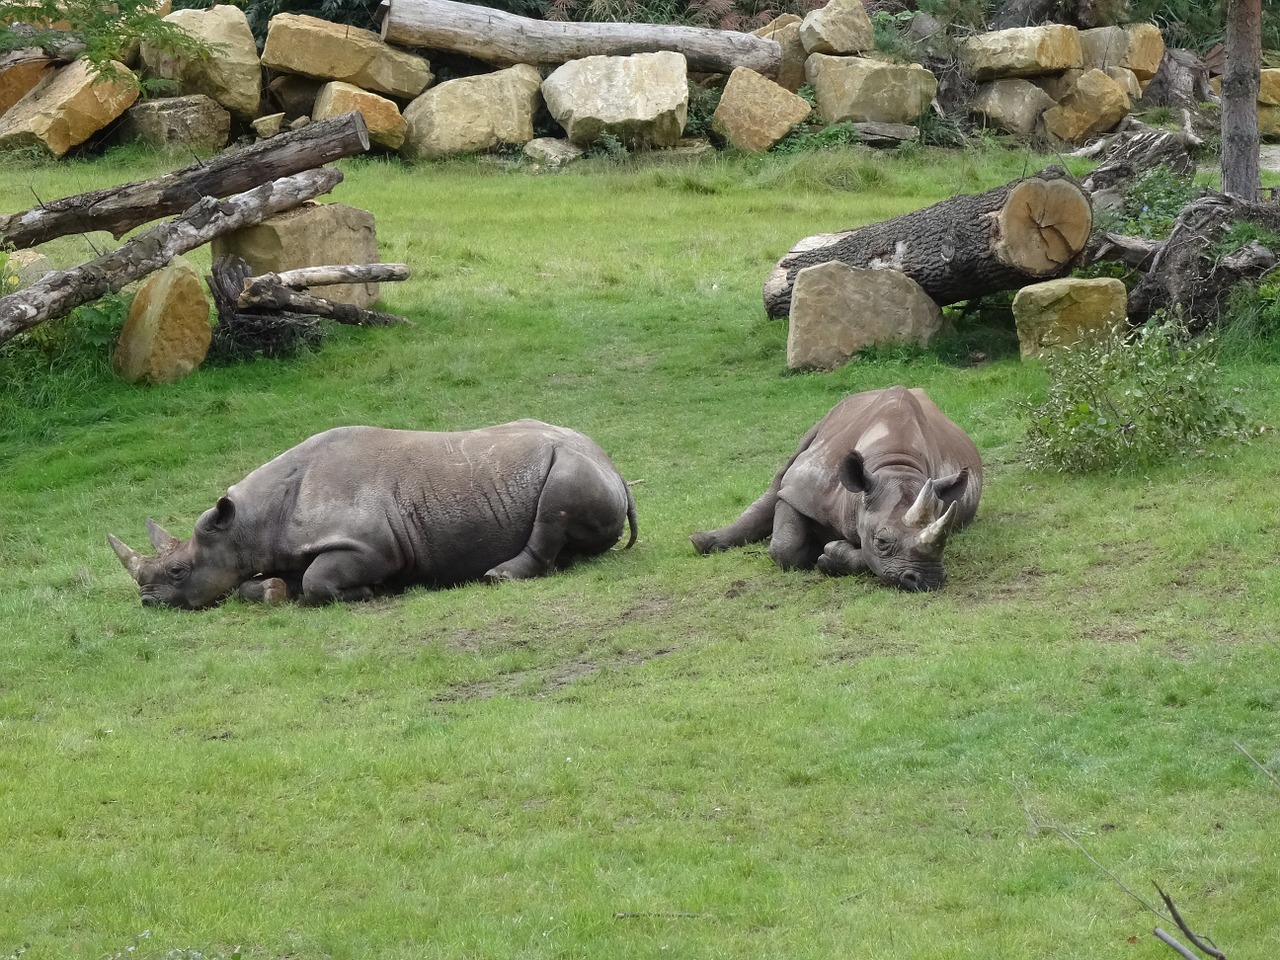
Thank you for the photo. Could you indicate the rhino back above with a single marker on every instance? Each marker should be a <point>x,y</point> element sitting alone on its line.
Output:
<point>445,506</point>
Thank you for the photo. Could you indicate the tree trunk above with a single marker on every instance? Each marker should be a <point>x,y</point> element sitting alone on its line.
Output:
<point>277,299</point>
<point>504,38</point>
<point>1185,274</point>
<point>1130,155</point>
<point>1240,171</point>
<point>246,334</point>
<point>120,209</point>
<point>963,247</point>
<point>59,292</point>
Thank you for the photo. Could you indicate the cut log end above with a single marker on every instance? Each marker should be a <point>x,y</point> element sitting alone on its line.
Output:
<point>1043,226</point>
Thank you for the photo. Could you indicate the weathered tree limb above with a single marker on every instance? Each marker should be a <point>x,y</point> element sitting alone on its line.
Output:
<point>1134,252</point>
<point>960,248</point>
<point>120,209</point>
<point>505,38</point>
<point>327,276</point>
<point>243,334</point>
<point>1129,155</point>
<point>276,298</point>
<point>1184,272</point>
<point>59,292</point>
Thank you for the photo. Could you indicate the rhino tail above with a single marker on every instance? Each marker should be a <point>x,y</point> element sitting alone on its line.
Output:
<point>631,517</point>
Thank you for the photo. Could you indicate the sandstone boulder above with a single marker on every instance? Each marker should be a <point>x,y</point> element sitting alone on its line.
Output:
<point>65,109</point>
<point>1060,313</point>
<point>1058,85</point>
<point>1013,105</point>
<point>1138,47</point>
<point>1095,104</point>
<point>853,88</point>
<point>167,333</point>
<point>312,235</point>
<point>841,27</point>
<point>473,113</point>
<point>232,76</point>
<point>268,126</point>
<point>20,71</point>
<point>195,122</point>
<point>1128,81</point>
<point>552,151</point>
<point>381,116</point>
<point>642,99</point>
<point>1021,52</point>
<point>786,31</point>
<point>1269,86</point>
<point>837,310</point>
<point>322,50</point>
<point>754,113</point>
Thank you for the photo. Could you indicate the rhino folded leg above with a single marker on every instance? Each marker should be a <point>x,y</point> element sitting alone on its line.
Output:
<point>840,558</point>
<point>752,526</point>
<point>343,575</point>
<point>269,590</point>
<point>797,542</point>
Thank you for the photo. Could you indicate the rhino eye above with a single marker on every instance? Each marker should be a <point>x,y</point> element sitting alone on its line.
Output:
<point>882,545</point>
<point>177,571</point>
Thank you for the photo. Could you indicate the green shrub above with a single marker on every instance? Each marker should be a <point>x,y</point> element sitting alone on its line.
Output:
<point>804,139</point>
<point>1128,401</point>
<point>1250,328</point>
<point>1155,200</point>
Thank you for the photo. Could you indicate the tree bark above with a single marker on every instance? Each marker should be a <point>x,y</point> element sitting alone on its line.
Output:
<point>59,292</point>
<point>245,334</point>
<point>1241,176</point>
<point>120,209</point>
<point>1131,154</point>
<point>505,38</point>
<point>278,299</point>
<point>963,247</point>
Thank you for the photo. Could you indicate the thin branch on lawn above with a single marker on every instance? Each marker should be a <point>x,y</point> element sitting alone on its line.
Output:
<point>1196,940</point>
<point>1037,825</point>
<point>1175,944</point>
<point>1265,772</point>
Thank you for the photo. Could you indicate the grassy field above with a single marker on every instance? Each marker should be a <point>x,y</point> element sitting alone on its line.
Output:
<point>653,754</point>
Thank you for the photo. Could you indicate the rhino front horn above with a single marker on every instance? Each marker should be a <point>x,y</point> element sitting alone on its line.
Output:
<point>926,507</point>
<point>130,557</point>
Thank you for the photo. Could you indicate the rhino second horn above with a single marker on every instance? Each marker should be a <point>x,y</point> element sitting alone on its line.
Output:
<point>936,533</point>
<point>926,507</point>
<point>130,557</point>
<point>161,539</point>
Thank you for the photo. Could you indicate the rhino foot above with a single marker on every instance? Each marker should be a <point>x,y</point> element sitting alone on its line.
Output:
<point>705,542</point>
<point>840,558</point>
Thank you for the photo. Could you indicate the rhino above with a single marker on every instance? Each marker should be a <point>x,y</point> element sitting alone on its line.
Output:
<point>359,510</point>
<point>877,486</point>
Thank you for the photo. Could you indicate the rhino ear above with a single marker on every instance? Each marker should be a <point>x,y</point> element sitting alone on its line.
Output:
<point>219,518</point>
<point>161,539</point>
<point>853,473</point>
<point>951,488</point>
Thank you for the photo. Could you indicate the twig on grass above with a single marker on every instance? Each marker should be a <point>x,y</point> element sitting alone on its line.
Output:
<point>1203,944</point>
<point>1265,772</point>
<point>1174,944</point>
<point>1037,825</point>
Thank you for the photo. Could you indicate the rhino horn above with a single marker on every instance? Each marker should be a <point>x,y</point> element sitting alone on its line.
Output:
<point>935,534</point>
<point>161,539</point>
<point>130,557</point>
<point>925,509</point>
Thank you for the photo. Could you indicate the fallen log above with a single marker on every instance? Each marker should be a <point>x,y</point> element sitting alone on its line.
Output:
<point>504,38</point>
<point>61,291</point>
<point>327,276</point>
<point>119,209</point>
<point>963,247</point>
<point>246,334</point>
<point>272,297</point>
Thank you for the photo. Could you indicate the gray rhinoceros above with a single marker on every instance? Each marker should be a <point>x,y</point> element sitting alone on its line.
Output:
<point>356,510</point>
<point>877,486</point>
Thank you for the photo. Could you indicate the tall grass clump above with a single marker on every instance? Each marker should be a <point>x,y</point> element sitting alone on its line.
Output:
<point>1128,401</point>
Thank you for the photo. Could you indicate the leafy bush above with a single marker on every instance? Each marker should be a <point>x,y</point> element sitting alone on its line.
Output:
<point>1128,401</point>
<point>1155,200</point>
<point>804,139</point>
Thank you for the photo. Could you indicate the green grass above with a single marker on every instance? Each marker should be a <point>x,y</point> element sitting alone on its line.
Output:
<point>655,753</point>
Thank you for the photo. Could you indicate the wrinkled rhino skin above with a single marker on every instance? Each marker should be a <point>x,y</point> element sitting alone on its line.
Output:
<point>876,487</point>
<point>354,511</point>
